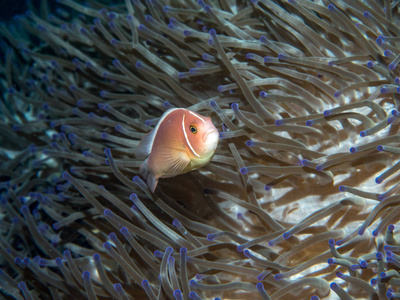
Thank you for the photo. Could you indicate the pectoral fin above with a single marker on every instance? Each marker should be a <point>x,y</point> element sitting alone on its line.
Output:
<point>144,148</point>
<point>174,162</point>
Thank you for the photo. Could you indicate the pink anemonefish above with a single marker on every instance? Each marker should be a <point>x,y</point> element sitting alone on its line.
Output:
<point>181,141</point>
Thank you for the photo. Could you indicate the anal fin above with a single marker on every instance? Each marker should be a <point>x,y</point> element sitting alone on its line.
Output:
<point>148,177</point>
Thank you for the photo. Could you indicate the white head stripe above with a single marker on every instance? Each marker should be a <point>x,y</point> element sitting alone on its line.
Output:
<point>196,116</point>
<point>187,140</point>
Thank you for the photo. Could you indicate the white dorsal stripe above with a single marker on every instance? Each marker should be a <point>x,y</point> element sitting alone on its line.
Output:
<point>186,137</point>
<point>194,114</point>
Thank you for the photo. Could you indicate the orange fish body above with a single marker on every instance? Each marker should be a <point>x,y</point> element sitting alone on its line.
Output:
<point>181,141</point>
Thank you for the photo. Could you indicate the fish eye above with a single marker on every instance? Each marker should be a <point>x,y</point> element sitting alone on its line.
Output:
<point>193,129</point>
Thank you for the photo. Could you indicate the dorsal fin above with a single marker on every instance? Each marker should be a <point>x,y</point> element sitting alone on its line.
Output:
<point>144,148</point>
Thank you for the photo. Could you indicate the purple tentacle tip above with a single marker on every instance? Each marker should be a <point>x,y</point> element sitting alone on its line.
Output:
<point>279,276</point>
<point>107,152</point>
<point>309,122</point>
<point>145,283</point>
<point>86,275</point>
<point>250,143</point>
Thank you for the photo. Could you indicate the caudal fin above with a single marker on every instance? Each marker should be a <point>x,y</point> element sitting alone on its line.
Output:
<point>150,179</point>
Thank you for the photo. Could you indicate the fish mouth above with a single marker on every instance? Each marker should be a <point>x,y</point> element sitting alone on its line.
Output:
<point>211,136</point>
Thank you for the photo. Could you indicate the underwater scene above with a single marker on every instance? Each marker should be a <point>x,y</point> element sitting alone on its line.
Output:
<point>210,149</point>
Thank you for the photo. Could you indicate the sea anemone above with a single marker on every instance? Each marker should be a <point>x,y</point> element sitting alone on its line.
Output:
<point>301,198</point>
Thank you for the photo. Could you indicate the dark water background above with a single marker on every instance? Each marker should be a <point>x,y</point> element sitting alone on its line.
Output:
<point>10,8</point>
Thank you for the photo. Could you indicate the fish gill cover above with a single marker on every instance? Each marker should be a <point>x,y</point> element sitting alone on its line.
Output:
<point>300,200</point>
